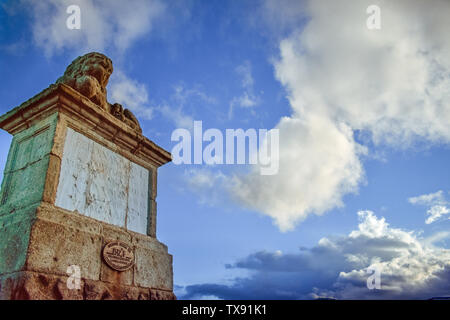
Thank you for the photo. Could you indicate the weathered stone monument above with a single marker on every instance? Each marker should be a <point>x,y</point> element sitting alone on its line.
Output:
<point>77,203</point>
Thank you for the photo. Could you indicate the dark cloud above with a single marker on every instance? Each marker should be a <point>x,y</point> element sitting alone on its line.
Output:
<point>337,268</point>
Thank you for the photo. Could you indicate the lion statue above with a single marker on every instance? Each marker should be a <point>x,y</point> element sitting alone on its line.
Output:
<point>89,75</point>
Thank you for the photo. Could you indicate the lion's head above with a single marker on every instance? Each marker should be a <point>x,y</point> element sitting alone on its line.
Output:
<point>89,75</point>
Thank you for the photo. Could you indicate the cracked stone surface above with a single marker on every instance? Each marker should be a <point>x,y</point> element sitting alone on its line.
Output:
<point>102,184</point>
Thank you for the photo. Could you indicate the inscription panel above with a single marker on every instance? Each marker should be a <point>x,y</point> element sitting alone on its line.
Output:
<point>102,184</point>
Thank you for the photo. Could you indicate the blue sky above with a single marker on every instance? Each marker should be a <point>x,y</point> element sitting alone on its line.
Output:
<point>363,117</point>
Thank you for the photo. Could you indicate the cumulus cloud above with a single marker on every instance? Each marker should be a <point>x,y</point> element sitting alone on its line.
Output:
<point>410,267</point>
<point>318,164</point>
<point>391,84</point>
<point>104,23</point>
<point>436,202</point>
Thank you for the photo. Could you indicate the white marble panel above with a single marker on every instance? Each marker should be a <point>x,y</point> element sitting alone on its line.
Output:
<point>138,197</point>
<point>102,184</point>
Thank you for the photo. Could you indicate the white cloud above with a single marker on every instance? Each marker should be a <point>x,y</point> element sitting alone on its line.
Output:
<point>245,71</point>
<point>437,203</point>
<point>247,99</point>
<point>437,237</point>
<point>207,184</point>
<point>392,84</point>
<point>104,23</point>
<point>183,94</point>
<point>282,16</point>
<point>134,95</point>
<point>428,199</point>
<point>318,164</point>
<point>409,272</point>
<point>180,100</point>
<point>435,212</point>
<point>177,116</point>
<point>410,268</point>
<point>131,94</point>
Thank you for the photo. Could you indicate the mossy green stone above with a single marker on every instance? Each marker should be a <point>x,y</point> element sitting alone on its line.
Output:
<point>15,229</point>
<point>27,165</point>
<point>22,190</point>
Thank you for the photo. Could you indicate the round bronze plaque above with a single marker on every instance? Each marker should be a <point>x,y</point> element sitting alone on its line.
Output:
<point>118,255</point>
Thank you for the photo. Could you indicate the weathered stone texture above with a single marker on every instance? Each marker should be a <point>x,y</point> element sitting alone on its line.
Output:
<point>112,276</point>
<point>137,211</point>
<point>153,269</point>
<point>27,165</point>
<point>60,238</point>
<point>15,229</point>
<point>39,286</point>
<point>102,185</point>
<point>53,247</point>
<point>161,295</point>
<point>79,174</point>
<point>89,75</point>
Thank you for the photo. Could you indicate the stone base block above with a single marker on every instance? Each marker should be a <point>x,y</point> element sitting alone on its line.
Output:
<point>28,285</point>
<point>36,262</point>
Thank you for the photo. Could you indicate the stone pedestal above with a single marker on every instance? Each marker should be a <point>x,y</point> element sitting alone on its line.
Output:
<point>77,178</point>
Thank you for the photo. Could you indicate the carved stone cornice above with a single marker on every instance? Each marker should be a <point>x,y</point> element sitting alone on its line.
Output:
<point>66,101</point>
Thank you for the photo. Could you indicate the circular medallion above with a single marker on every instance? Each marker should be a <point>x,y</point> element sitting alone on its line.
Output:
<point>118,255</point>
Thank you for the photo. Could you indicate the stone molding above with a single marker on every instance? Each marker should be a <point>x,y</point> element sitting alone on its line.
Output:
<point>81,112</point>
